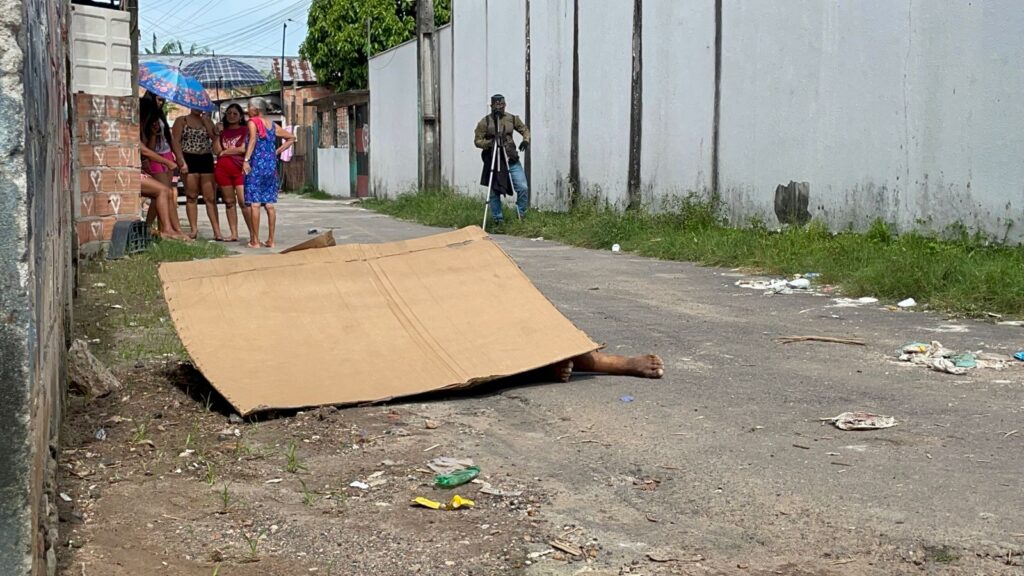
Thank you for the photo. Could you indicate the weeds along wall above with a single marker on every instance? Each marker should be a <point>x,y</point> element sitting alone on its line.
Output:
<point>892,109</point>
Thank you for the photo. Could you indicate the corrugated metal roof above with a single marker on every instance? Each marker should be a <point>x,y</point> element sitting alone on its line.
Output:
<point>295,68</point>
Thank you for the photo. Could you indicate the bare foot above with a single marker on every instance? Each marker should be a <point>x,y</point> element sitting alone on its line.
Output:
<point>194,235</point>
<point>562,370</point>
<point>649,366</point>
<point>253,244</point>
<point>267,244</point>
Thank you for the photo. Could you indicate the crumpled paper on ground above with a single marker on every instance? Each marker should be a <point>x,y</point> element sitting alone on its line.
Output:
<point>861,421</point>
<point>447,464</point>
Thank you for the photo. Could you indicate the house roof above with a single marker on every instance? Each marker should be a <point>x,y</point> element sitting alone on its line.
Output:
<point>294,68</point>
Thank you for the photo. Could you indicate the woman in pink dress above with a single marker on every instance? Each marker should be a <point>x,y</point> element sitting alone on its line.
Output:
<point>230,148</point>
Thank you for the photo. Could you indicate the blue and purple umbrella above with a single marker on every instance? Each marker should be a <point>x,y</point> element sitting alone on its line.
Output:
<point>171,84</point>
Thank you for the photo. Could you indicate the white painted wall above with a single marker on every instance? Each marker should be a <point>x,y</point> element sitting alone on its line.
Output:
<point>550,102</point>
<point>606,67</point>
<point>444,42</point>
<point>489,57</point>
<point>814,93</point>
<point>394,125</point>
<point>333,171</point>
<point>678,99</point>
<point>101,51</point>
<point>892,109</point>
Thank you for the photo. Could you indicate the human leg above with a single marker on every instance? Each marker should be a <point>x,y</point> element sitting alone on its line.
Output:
<point>159,195</point>
<point>271,209</point>
<point>521,187</point>
<point>192,185</point>
<point>496,213</point>
<point>254,214</point>
<point>239,192</point>
<point>642,366</point>
<point>210,199</point>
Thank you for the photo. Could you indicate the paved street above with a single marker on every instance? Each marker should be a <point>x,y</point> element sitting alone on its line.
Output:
<point>744,472</point>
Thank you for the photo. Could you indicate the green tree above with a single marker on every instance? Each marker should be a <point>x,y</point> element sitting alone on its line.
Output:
<point>175,47</point>
<point>342,33</point>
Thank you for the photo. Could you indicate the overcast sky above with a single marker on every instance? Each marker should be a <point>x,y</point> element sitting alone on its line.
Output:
<point>241,27</point>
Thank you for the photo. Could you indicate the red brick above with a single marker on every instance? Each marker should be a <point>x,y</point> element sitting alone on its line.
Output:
<point>95,229</point>
<point>109,180</point>
<point>106,132</point>
<point>113,204</point>
<point>106,155</point>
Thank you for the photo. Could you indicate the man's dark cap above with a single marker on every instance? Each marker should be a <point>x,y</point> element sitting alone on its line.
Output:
<point>497,98</point>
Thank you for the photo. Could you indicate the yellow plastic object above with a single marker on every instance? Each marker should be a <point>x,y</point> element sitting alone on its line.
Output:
<point>460,502</point>
<point>456,503</point>
<point>427,503</point>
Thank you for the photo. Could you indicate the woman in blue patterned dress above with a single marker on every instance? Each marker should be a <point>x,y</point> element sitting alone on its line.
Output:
<point>260,169</point>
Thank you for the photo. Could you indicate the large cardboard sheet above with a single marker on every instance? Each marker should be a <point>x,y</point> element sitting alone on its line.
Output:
<point>364,322</point>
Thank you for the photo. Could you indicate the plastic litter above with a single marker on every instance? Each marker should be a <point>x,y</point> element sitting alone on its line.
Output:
<point>454,504</point>
<point>1018,323</point>
<point>852,302</point>
<point>908,303</point>
<point>457,478</point>
<point>965,360</point>
<point>615,248</point>
<point>800,283</point>
<point>360,485</point>
<point>861,421</point>
<point>935,356</point>
<point>100,434</point>
<point>312,231</point>
<point>1019,356</point>
<point>447,464</point>
<point>627,398</point>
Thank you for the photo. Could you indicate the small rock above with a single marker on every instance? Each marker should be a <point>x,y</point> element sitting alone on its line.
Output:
<point>986,516</point>
<point>431,424</point>
<point>100,434</point>
<point>235,419</point>
<point>87,374</point>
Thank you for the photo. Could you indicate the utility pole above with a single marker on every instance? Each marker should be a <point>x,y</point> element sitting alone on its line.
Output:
<point>430,141</point>
<point>284,34</point>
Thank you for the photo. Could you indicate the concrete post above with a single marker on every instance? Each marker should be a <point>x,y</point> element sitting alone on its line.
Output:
<point>429,93</point>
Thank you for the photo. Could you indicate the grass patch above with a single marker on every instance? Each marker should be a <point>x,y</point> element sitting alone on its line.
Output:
<point>314,193</point>
<point>960,273</point>
<point>121,302</point>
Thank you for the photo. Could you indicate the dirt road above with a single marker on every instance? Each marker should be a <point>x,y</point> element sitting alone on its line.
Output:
<point>722,467</point>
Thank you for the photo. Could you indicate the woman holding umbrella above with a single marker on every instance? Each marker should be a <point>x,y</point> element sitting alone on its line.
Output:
<point>167,83</point>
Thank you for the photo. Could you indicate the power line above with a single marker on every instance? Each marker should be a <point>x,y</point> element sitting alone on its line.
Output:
<point>256,30</point>
<point>219,22</point>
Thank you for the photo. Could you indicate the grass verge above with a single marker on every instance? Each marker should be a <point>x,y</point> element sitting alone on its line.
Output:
<point>120,308</point>
<point>313,193</point>
<point>962,274</point>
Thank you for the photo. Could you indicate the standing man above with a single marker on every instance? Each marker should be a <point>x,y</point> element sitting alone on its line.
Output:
<point>498,127</point>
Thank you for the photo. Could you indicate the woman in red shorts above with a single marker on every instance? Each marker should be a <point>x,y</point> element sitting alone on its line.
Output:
<point>230,150</point>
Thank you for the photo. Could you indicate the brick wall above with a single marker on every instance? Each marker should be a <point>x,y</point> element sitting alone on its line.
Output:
<point>35,277</point>
<point>108,166</point>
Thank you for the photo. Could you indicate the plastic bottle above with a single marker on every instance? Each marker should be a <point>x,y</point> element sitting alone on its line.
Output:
<point>457,478</point>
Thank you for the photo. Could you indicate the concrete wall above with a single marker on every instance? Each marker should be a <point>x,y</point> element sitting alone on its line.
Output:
<point>678,99</point>
<point>606,64</point>
<point>394,126</point>
<point>892,109</point>
<point>900,110</point>
<point>333,171</point>
<point>35,248</point>
<point>551,34</point>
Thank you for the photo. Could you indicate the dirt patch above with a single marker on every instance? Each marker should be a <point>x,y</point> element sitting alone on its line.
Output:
<point>175,486</point>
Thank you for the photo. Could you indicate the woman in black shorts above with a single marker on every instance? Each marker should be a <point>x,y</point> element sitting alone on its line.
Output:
<point>195,133</point>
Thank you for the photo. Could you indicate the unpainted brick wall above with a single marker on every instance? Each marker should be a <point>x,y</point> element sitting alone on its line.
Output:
<point>35,276</point>
<point>108,164</point>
